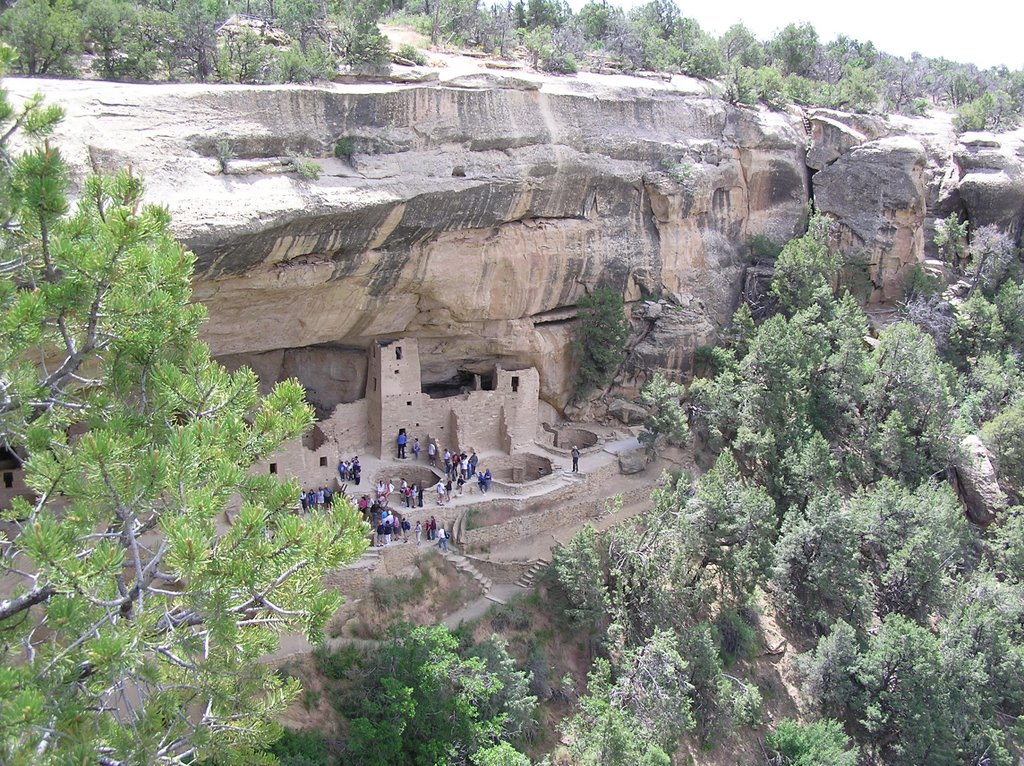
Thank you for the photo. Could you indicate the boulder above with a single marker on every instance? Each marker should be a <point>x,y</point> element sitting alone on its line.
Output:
<point>633,460</point>
<point>976,482</point>
<point>831,138</point>
<point>627,412</point>
<point>652,310</point>
<point>834,133</point>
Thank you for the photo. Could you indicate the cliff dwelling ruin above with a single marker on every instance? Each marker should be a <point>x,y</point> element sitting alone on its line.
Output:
<point>494,413</point>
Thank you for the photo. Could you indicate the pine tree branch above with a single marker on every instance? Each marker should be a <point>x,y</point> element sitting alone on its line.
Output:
<point>13,606</point>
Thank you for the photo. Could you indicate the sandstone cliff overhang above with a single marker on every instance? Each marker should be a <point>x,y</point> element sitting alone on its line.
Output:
<point>471,211</point>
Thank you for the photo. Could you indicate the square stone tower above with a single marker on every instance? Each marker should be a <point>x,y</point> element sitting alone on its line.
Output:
<point>393,392</point>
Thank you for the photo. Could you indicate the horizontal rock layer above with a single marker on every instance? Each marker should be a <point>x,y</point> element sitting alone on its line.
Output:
<point>474,212</point>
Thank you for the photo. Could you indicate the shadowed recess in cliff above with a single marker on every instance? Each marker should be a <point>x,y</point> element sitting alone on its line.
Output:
<point>329,235</point>
<point>396,226</point>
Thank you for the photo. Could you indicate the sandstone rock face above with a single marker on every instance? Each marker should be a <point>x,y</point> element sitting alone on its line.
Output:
<point>472,209</point>
<point>941,174</point>
<point>976,482</point>
<point>991,183</point>
<point>472,214</point>
<point>668,331</point>
<point>331,374</point>
<point>877,193</point>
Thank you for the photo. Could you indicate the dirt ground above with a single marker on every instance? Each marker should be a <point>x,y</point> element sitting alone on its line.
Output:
<point>428,589</point>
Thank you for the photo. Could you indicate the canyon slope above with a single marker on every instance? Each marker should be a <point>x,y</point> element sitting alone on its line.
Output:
<point>471,208</point>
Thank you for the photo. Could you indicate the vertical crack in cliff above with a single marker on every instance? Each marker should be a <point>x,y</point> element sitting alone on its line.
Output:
<point>650,224</point>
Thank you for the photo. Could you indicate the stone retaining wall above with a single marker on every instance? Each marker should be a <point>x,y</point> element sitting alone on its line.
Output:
<point>504,572</point>
<point>492,537</point>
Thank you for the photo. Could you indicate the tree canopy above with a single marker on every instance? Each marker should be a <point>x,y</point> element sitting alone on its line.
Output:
<point>135,616</point>
<point>303,41</point>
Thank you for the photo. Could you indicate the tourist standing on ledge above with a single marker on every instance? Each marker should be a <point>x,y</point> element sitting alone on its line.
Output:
<point>575,458</point>
<point>401,440</point>
<point>416,449</point>
<point>442,539</point>
<point>432,453</point>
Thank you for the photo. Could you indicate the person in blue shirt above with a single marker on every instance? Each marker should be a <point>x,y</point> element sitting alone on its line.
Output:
<point>484,480</point>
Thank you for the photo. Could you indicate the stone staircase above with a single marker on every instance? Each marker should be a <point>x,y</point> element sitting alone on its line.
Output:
<point>367,559</point>
<point>528,577</point>
<point>568,477</point>
<point>464,565</point>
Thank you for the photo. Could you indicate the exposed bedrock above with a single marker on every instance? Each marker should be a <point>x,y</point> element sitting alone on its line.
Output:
<point>992,179</point>
<point>979,176</point>
<point>472,213</point>
<point>877,193</point>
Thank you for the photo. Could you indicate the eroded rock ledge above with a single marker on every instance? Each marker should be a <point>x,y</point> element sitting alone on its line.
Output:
<point>474,211</point>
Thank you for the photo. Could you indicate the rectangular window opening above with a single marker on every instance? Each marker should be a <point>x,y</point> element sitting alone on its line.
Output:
<point>8,479</point>
<point>323,461</point>
<point>398,352</point>
<point>396,372</point>
<point>408,404</point>
<point>273,467</point>
<point>515,383</point>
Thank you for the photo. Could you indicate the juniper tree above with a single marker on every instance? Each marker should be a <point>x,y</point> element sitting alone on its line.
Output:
<point>666,419</point>
<point>132,618</point>
<point>601,333</point>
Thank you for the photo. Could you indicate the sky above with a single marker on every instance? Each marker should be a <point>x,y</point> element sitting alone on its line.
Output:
<point>984,32</point>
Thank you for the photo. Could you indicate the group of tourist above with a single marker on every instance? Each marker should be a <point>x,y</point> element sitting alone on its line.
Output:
<point>459,469</point>
<point>316,499</point>
<point>460,466</point>
<point>455,465</point>
<point>388,526</point>
<point>408,494</point>
<point>402,441</point>
<point>350,471</point>
<point>445,487</point>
